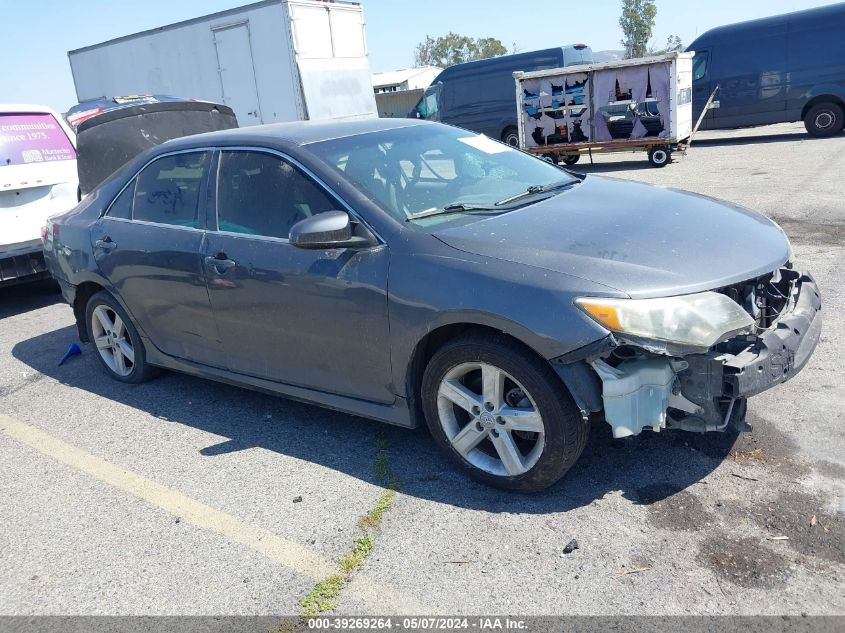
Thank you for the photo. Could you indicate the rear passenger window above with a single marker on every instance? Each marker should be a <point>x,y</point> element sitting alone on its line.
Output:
<point>122,206</point>
<point>262,194</point>
<point>168,190</point>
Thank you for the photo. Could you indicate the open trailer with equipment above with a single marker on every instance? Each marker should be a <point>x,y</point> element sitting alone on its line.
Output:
<point>642,104</point>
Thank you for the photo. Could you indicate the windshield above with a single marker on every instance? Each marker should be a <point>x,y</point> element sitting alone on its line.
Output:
<point>427,167</point>
<point>32,138</point>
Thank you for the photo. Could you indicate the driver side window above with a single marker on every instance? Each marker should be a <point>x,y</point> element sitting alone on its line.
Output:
<point>262,194</point>
<point>699,65</point>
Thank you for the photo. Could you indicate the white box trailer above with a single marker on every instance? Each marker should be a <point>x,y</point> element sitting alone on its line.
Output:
<point>636,104</point>
<point>270,61</point>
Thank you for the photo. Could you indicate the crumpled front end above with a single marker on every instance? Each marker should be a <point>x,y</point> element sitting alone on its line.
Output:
<point>641,383</point>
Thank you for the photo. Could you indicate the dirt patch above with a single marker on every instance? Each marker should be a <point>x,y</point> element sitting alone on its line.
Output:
<point>754,456</point>
<point>802,231</point>
<point>811,529</point>
<point>744,562</point>
<point>768,447</point>
<point>673,508</point>
<point>713,445</point>
<point>830,469</point>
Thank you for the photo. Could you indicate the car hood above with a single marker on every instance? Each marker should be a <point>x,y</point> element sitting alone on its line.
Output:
<point>640,239</point>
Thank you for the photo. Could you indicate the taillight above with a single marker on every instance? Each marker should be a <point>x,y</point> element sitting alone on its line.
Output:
<point>55,232</point>
<point>78,117</point>
<point>45,231</point>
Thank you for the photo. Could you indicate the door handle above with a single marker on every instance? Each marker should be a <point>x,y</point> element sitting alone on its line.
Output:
<point>105,243</point>
<point>220,263</point>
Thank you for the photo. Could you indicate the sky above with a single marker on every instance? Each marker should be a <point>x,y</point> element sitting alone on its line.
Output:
<point>38,33</point>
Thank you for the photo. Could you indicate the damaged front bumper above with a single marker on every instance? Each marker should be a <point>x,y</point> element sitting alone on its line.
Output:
<point>639,385</point>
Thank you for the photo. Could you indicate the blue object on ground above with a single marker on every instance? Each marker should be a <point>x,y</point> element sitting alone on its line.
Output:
<point>73,350</point>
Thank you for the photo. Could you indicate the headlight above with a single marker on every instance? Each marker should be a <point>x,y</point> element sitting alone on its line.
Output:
<point>700,320</point>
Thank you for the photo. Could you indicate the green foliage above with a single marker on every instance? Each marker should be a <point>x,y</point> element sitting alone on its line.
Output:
<point>673,43</point>
<point>637,23</point>
<point>373,518</point>
<point>322,597</point>
<point>448,50</point>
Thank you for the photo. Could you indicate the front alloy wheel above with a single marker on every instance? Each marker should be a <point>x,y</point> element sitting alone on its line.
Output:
<point>500,412</point>
<point>490,419</point>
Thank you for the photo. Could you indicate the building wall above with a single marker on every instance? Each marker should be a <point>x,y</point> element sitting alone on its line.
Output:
<point>397,104</point>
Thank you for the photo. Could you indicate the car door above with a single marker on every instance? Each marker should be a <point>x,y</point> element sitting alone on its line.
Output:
<point>311,318</point>
<point>148,247</point>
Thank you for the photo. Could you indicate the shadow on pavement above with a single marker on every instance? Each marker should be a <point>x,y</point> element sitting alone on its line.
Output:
<point>25,297</point>
<point>784,137</point>
<point>599,167</point>
<point>636,467</point>
<point>641,162</point>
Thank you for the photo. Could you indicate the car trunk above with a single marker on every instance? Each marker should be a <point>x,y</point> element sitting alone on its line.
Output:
<point>108,141</point>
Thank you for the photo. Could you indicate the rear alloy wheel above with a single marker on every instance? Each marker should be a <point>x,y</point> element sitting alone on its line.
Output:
<point>659,156</point>
<point>511,137</point>
<point>824,119</point>
<point>116,340</point>
<point>501,414</point>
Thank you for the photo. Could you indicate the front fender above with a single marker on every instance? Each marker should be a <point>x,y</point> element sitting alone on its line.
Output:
<point>534,306</point>
<point>836,90</point>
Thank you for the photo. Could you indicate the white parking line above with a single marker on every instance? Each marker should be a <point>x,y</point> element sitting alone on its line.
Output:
<point>276,548</point>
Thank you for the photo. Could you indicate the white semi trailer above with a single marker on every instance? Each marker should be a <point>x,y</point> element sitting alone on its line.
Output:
<point>631,105</point>
<point>270,61</point>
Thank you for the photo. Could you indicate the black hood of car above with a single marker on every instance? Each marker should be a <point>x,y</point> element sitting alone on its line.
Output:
<point>643,240</point>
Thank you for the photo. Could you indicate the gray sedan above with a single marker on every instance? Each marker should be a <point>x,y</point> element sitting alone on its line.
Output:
<point>413,272</point>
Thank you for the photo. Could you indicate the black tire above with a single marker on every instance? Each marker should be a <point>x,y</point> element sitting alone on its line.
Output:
<point>659,155</point>
<point>511,136</point>
<point>824,120</point>
<point>141,371</point>
<point>550,157</point>
<point>565,430</point>
<point>571,159</point>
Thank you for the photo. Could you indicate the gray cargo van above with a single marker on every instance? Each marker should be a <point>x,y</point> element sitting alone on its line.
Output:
<point>782,68</point>
<point>481,95</point>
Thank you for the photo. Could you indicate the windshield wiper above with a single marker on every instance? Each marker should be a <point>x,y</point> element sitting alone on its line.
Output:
<point>535,189</point>
<point>457,207</point>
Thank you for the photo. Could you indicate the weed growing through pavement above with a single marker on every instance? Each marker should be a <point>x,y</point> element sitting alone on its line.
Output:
<point>323,595</point>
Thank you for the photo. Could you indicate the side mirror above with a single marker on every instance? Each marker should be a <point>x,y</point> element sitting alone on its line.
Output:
<point>331,229</point>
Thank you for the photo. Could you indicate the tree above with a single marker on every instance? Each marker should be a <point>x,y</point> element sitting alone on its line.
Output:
<point>673,43</point>
<point>452,49</point>
<point>637,23</point>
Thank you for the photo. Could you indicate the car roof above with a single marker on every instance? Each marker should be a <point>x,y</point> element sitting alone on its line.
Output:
<point>8,108</point>
<point>295,133</point>
<point>737,30</point>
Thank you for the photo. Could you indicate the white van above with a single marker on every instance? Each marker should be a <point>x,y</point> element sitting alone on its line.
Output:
<point>38,179</point>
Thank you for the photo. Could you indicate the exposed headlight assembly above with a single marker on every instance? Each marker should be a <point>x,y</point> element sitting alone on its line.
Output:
<point>698,320</point>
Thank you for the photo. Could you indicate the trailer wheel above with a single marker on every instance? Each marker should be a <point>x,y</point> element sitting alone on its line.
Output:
<point>571,159</point>
<point>511,136</point>
<point>824,119</point>
<point>659,155</point>
<point>550,157</point>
